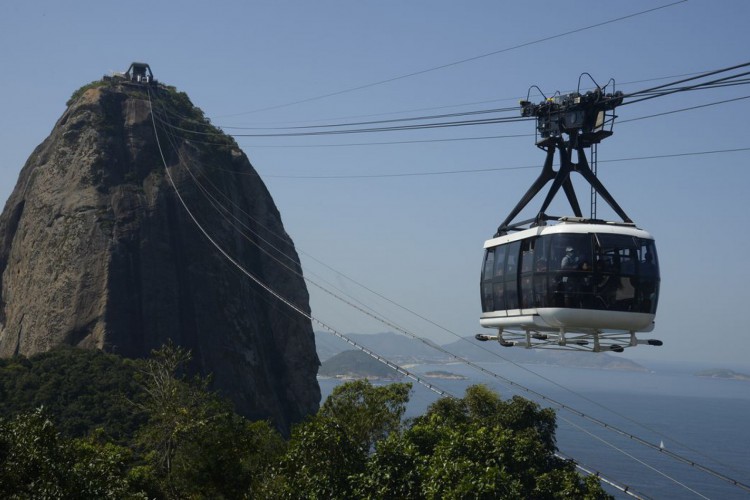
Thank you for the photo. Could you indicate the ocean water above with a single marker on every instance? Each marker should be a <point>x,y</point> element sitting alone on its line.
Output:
<point>703,420</point>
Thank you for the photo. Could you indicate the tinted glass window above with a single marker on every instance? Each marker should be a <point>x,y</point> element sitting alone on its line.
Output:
<point>569,251</point>
<point>527,255</point>
<point>648,277</point>
<point>589,271</point>
<point>500,253</point>
<point>489,264</point>
<point>511,275</point>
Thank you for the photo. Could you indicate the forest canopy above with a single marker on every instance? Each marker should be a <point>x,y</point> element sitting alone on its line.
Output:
<point>85,424</point>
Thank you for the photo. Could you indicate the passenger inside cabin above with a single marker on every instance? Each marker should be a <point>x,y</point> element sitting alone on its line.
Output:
<point>607,284</point>
<point>647,266</point>
<point>570,260</point>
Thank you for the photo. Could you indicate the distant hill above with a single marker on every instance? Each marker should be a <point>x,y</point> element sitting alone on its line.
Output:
<point>394,346</point>
<point>356,364</point>
<point>404,351</point>
<point>722,373</point>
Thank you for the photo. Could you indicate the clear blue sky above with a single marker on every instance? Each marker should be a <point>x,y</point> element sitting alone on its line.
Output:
<point>418,239</point>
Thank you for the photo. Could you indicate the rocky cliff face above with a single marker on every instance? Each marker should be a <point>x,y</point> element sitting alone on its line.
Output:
<point>98,251</point>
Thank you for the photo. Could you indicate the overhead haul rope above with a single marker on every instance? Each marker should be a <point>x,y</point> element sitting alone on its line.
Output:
<point>224,211</point>
<point>273,292</point>
<point>488,121</point>
<point>489,169</point>
<point>462,61</point>
<point>624,488</point>
<point>591,471</point>
<point>446,106</point>
<point>665,88</point>
<point>432,387</point>
<point>395,128</point>
<point>449,124</point>
<point>375,317</point>
<point>513,109</point>
<point>382,143</point>
<point>431,108</point>
<point>608,481</point>
<point>691,108</point>
<point>468,363</point>
<point>632,457</point>
<point>641,95</point>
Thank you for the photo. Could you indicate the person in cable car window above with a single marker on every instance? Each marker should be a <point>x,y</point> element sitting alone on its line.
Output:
<point>606,287</point>
<point>647,266</point>
<point>648,282</point>
<point>570,260</point>
<point>569,280</point>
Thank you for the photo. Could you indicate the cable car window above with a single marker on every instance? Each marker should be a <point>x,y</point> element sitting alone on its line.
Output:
<point>570,270</point>
<point>619,252</point>
<point>648,262</point>
<point>487,272</point>
<point>556,271</point>
<point>498,296</point>
<point>489,263</point>
<point>616,272</point>
<point>540,282</point>
<point>648,277</point>
<point>528,251</point>
<point>527,255</point>
<point>500,253</point>
<point>498,291</point>
<point>511,275</point>
<point>511,265</point>
<point>487,297</point>
<point>493,285</point>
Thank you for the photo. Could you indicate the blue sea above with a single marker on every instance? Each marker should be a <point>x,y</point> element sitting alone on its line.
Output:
<point>705,421</point>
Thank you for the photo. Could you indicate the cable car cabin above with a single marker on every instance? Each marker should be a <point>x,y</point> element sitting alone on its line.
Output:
<point>580,282</point>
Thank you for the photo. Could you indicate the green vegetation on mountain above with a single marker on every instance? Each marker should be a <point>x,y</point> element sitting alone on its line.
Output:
<point>723,373</point>
<point>79,389</point>
<point>176,439</point>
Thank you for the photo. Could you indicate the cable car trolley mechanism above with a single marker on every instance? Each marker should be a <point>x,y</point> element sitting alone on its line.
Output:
<point>570,282</point>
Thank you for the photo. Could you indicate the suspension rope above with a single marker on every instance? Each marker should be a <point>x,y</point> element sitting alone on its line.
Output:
<point>406,372</point>
<point>372,313</point>
<point>273,292</point>
<point>632,457</point>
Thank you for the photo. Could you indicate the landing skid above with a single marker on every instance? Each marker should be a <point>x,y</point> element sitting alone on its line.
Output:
<point>567,341</point>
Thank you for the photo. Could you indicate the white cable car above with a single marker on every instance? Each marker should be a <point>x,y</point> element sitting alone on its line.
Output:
<point>574,284</point>
<point>570,282</point>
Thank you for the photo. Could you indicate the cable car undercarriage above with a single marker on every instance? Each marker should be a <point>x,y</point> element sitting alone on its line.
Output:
<point>593,342</point>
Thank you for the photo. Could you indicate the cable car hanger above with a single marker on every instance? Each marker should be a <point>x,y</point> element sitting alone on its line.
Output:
<point>587,119</point>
